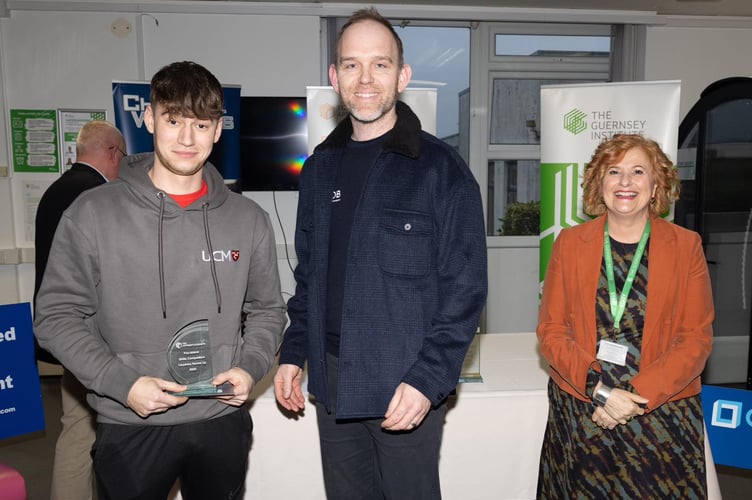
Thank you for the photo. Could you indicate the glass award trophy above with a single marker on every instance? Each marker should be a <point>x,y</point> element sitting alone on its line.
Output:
<point>189,359</point>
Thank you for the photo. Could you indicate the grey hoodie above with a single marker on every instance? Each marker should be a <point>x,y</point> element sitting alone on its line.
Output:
<point>129,267</point>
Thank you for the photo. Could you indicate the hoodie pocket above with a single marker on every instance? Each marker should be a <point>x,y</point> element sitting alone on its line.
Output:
<point>405,243</point>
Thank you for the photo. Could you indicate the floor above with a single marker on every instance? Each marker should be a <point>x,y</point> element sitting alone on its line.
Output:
<point>32,455</point>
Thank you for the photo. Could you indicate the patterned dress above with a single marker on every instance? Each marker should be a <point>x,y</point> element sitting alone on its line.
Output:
<point>658,455</point>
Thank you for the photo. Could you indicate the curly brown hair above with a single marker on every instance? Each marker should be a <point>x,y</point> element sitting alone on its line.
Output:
<point>609,152</point>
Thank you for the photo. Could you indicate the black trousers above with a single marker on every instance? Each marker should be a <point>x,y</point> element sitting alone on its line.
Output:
<point>362,461</point>
<point>144,461</point>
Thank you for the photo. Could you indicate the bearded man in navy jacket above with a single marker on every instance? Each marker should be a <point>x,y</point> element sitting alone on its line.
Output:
<point>391,279</point>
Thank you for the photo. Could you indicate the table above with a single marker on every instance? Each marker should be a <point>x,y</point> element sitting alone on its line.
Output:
<point>492,437</point>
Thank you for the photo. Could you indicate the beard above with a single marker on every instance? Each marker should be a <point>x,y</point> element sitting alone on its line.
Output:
<point>371,115</point>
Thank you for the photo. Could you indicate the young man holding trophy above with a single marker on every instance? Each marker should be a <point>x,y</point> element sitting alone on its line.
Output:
<point>161,283</point>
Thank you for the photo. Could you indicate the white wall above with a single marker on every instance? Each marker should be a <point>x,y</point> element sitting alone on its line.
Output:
<point>698,56</point>
<point>266,55</point>
<point>513,294</point>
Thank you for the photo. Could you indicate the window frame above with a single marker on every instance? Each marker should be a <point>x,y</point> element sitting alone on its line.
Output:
<point>486,66</point>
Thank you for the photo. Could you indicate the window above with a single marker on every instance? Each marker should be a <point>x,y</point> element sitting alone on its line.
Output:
<point>514,183</point>
<point>552,45</point>
<point>440,58</point>
<point>522,57</point>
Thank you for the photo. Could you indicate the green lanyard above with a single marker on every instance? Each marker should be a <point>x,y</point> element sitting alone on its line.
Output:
<point>618,306</point>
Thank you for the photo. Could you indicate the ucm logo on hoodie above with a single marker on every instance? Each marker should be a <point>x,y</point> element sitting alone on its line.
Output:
<point>221,256</point>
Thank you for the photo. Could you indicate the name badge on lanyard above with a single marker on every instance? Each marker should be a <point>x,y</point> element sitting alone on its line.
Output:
<point>612,352</point>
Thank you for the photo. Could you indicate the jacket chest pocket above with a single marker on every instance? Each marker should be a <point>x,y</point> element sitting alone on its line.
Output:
<point>405,239</point>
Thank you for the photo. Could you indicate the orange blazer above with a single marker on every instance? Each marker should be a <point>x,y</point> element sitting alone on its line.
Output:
<point>678,333</point>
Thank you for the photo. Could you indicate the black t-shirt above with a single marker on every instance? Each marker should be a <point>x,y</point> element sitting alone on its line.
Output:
<point>352,172</point>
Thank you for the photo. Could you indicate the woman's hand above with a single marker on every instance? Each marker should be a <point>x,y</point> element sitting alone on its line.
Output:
<point>603,419</point>
<point>622,405</point>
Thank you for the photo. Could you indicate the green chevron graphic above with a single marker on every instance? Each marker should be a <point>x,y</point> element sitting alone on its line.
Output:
<point>560,183</point>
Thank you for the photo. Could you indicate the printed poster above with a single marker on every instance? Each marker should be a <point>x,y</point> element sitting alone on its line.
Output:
<point>71,121</point>
<point>33,137</point>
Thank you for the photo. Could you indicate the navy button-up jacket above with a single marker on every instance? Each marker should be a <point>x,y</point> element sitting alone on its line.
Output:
<point>416,275</point>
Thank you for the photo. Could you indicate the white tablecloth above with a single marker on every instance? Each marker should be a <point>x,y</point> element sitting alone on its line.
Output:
<point>492,437</point>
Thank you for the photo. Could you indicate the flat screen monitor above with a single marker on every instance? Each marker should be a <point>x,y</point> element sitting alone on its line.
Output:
<point>273,142</point>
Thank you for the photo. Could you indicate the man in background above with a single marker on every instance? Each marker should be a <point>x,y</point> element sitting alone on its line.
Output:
<point>166,247</point>
<point>99,149</point>
<point>391,279</point>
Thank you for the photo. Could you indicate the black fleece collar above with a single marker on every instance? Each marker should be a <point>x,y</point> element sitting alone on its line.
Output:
<point>405,140</point>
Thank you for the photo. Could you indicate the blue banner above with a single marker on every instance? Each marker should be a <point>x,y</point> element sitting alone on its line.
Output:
<point>130,100</point>
<point>728,419</point>
<point>21,410</point>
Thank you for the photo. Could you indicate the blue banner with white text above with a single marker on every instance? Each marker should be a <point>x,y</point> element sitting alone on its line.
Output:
<point>728,419</point>
<point>21,410</point>
<point>130,100</point>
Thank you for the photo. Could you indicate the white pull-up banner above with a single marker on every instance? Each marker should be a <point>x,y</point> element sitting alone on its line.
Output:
<point>574,120</point>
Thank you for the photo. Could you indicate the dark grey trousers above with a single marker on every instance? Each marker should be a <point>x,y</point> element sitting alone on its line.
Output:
<point>364,462</point>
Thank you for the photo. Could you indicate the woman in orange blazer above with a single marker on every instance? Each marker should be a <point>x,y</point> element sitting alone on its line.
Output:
<point>625,324</point>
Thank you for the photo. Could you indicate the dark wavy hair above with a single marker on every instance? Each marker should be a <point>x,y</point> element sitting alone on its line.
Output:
<point>610,152</point>
<point>370,14</point>
<point>188,89</point>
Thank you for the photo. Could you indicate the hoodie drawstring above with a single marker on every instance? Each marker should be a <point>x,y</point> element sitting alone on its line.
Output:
<point>205,209</point>
<point>161,195</point>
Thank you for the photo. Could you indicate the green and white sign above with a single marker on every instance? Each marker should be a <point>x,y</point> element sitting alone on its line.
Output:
<point>34,140</point>
<point>575,119</point>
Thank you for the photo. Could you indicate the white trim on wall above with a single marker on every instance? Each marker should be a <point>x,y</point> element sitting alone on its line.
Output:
<point>324,9</point>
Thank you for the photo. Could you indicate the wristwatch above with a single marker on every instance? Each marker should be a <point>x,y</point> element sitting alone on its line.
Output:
<point>601,395</point>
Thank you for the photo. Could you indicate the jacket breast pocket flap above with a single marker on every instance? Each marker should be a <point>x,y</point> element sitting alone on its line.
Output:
<point>405,239</point>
